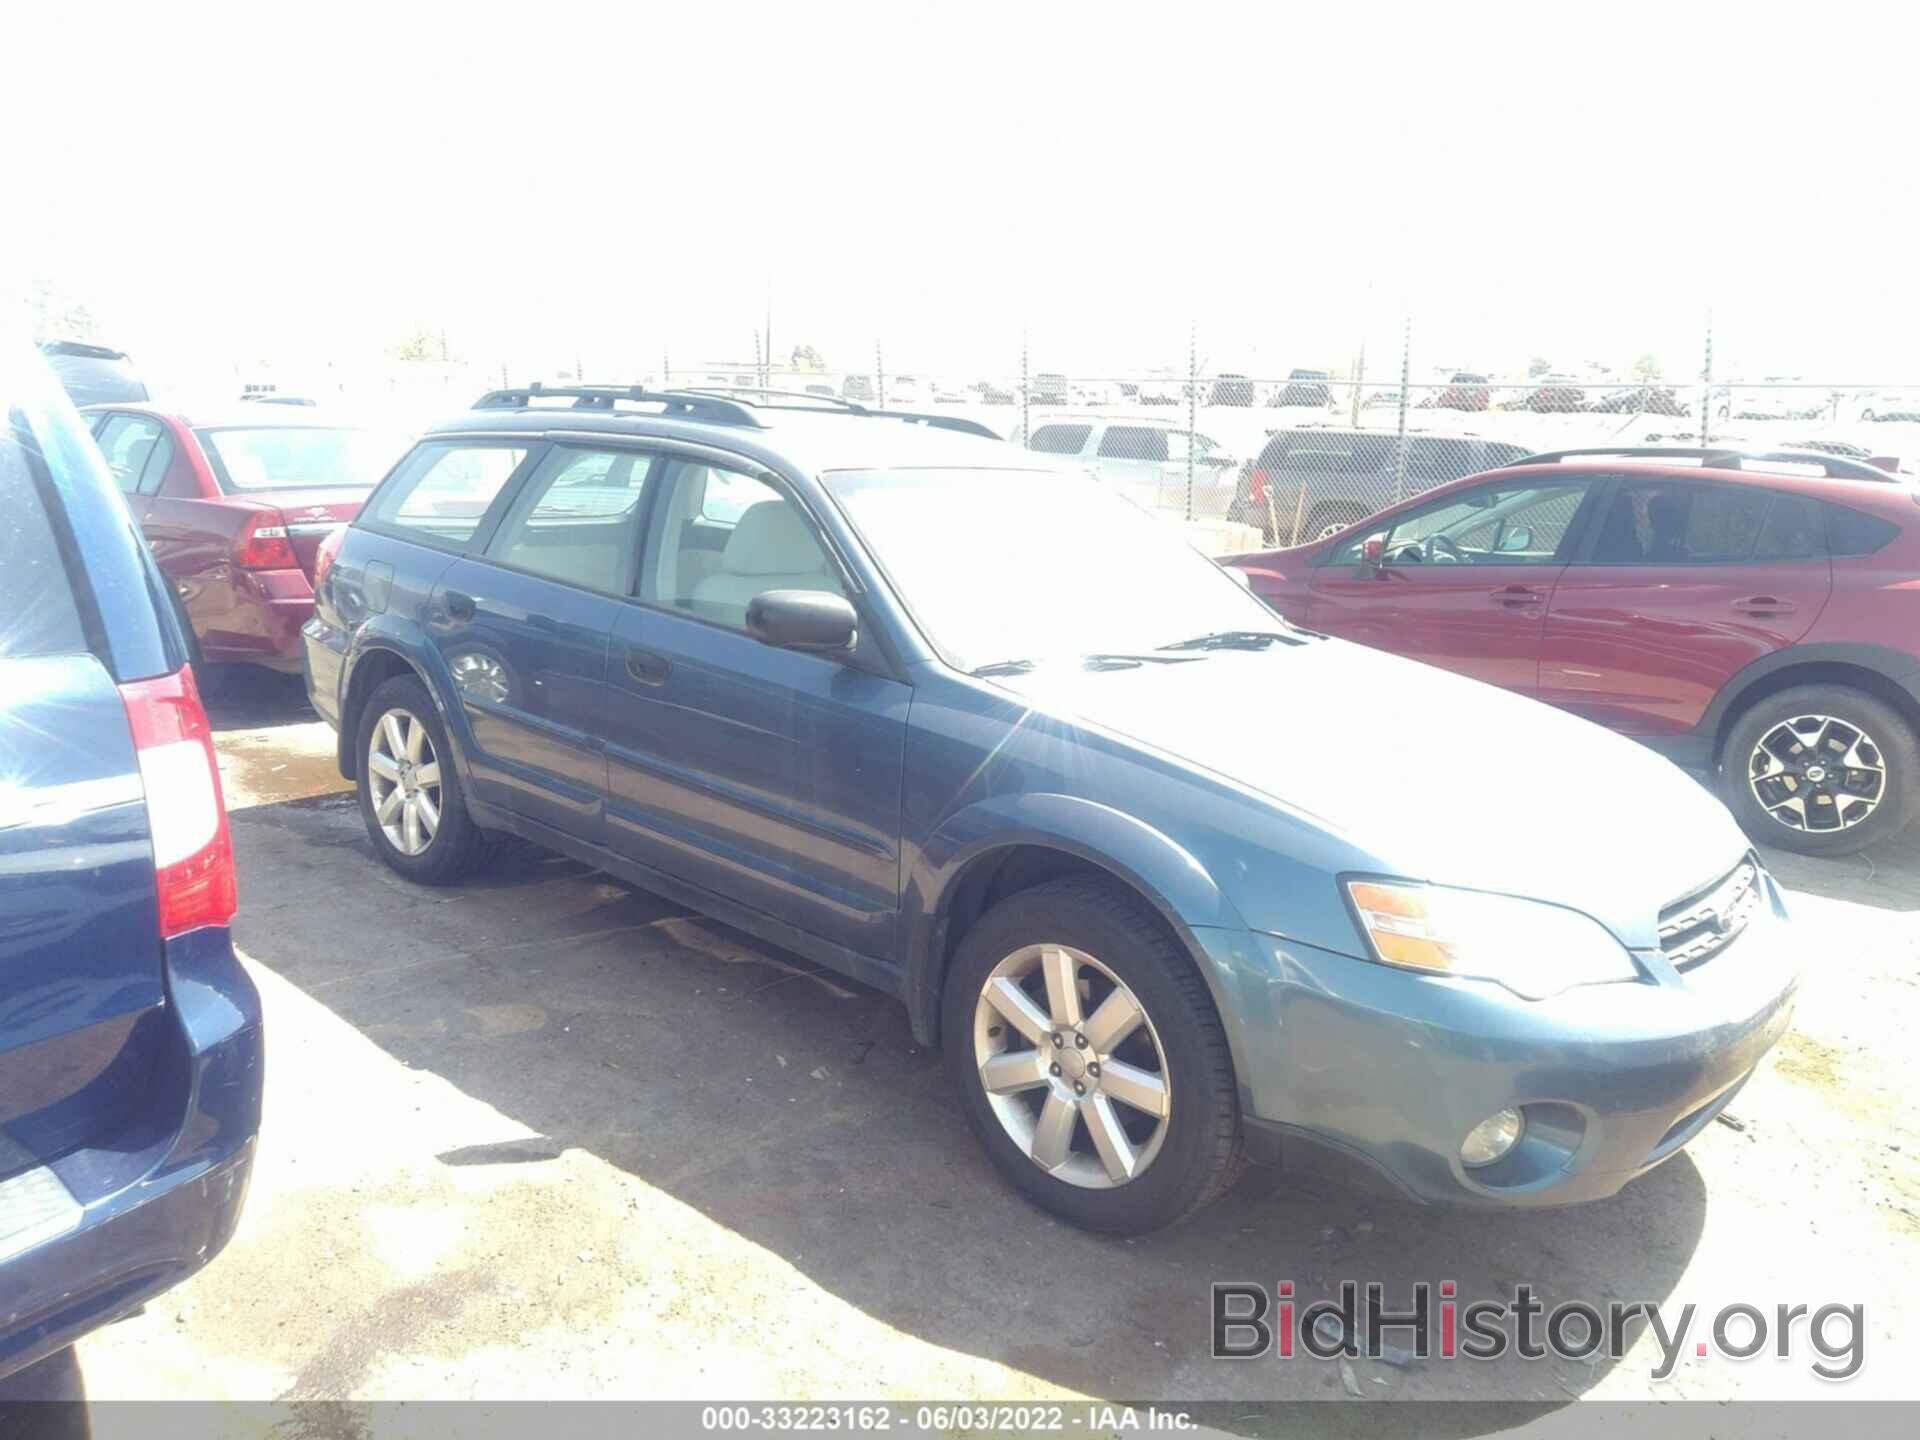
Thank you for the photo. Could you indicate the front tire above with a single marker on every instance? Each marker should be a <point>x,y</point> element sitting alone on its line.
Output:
<point>409,787</point>
<point>1821,770</point>
<point>1089,1057</point>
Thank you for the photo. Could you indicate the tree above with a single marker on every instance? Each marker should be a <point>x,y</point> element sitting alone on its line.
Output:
<point>421,344</point>
<point>805,357</point>
<point>1539,366</point>
<point>1647,367</point>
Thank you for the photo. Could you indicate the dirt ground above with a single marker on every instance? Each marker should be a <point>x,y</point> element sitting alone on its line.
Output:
<point>546,1135</point>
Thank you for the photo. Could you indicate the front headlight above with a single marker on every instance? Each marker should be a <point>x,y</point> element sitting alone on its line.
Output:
<point>1533,949</point>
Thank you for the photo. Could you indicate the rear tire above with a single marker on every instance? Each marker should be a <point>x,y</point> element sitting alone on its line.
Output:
<point>1846,738</point>
<point>455,846</point>
<point>1117,948</point>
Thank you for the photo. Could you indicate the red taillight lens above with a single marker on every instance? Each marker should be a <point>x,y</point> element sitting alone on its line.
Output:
<point>263,544</point>
<point>324,557</point>
<point>192,848</point>
<point>1257,486</point>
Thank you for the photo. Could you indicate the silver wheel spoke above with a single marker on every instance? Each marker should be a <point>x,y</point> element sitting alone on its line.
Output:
<point>416,737</point>
<point>1013,1071</point>
<point>1019,1011</point>
<point>1053,1136</point>
<point>1063,986</point>
<point>410,827</point>
<point>389,806</point>
<point>1130,1085</point>
<point>1116,1151</point>
<point>1119,1016</point>
<point>396,737</point>
<point>428,812</point>
<point>427,775</point>
<point>383,765</point>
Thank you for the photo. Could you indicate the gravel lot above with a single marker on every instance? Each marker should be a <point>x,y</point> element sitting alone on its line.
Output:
<point>546,1135</point>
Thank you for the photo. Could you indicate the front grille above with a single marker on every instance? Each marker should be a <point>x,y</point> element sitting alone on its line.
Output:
<point>1698,927</point>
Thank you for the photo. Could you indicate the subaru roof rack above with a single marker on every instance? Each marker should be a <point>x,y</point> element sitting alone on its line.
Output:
<point>833,403</point>
<point>691,404</point>
<point>1720,457</point>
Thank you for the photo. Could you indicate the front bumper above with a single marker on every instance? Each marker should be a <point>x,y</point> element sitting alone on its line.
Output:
<point>1359,1067</point>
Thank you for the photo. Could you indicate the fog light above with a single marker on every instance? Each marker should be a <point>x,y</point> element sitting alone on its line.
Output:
<point>1492,1138</point>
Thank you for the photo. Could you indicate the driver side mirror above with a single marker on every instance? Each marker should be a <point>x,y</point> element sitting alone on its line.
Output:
<point>816,621</point>
<point>1518,538</point>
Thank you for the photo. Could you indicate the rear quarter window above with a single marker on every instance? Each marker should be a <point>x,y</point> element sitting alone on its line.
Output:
<point>443,489</point>
<point>1853,532</point>
<point>38,612</point>
<point>1060,439</point>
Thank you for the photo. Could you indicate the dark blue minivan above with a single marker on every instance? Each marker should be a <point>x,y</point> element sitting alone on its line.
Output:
<point>1171,881</point>
<point>130,1038</point>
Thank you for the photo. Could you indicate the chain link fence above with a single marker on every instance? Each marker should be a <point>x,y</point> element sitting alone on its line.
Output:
<point>1290,455</point>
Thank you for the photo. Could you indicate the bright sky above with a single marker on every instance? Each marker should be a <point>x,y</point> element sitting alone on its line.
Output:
<point>296,181</point>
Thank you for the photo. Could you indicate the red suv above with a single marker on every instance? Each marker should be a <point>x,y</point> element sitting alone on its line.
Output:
<point>1754,616</point>
<point>234,510</point>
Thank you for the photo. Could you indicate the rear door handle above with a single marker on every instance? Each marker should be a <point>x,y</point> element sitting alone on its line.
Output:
<point>647,666</point>
<point>460,606</point>
<point>1764,605</point>
<point>1517,596</point>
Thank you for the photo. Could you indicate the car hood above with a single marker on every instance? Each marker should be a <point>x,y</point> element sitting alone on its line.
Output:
<point>1424,773</point>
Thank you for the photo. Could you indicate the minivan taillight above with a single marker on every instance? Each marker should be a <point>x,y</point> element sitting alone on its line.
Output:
<point>328,552</point>
<point>263,543</point>
<point>192,848</point>
<point>1257,486</point>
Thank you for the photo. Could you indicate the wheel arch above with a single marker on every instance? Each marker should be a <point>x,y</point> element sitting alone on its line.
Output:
<point>373,665</point>
<point>1889,675</point>
<point>1001,847</point>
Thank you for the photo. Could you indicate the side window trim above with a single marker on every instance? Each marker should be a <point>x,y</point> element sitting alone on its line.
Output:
<point>163,453</point>
<point>1573,540</point>
<point>1617,482</point>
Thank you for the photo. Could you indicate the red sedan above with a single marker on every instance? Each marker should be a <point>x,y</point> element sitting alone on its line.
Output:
<point>234,507</point>
<point>1754,616</point>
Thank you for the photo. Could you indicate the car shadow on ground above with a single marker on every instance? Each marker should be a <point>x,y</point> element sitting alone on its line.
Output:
<point>1884,876</point>
<point>251,697</point>
<point>795,1109</point>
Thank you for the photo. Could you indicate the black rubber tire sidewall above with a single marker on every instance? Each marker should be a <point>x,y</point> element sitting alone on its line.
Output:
<point>457,844</point>
<point>1200,1156</point>
<point>1888,728</point>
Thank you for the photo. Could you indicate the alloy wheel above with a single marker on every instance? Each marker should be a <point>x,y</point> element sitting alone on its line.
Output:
<point>403,775</point>
<point>1817,773</point>
<point>1072,1066</point>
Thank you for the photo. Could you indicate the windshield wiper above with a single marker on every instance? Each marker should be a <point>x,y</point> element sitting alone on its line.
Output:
<point>1234,640</point>
<point>1003,667</point>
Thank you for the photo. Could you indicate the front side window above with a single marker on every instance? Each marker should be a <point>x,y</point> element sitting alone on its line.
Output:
<point>577,519</point>
<point>721,538</point>
<point>1513,524</point>
<point>443,488</point>
<point>944,540</point>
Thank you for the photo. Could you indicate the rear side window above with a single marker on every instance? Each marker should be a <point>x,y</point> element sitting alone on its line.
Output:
<point>1134,442</point>
<point>1852,532</point>
<point>38,613</point>
<point>443,489</point>
<point>577,519</point>
<point>1060,439</point>
<point>1792,531</point>
<point>129,442</point>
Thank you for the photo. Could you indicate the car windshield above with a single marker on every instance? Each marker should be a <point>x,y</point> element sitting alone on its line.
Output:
<point>288,457</point>
<point>1000,566</point>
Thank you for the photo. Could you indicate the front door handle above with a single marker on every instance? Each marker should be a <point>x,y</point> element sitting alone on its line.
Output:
<point>460,606</point>
<point>1517,596</point>
<point>1764,605</point>
<point>647,666</point>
